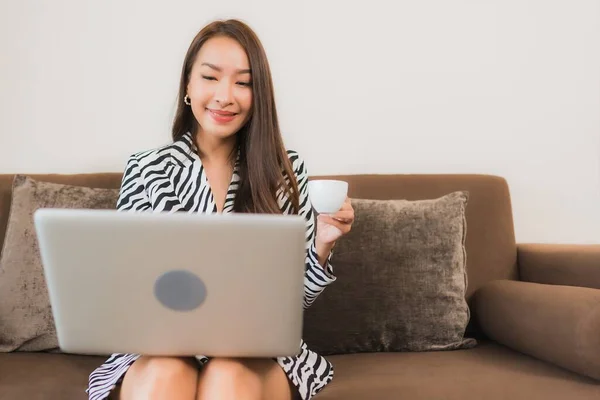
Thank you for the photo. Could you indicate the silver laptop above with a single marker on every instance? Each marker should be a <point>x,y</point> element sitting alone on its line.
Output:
<point>220,285</point>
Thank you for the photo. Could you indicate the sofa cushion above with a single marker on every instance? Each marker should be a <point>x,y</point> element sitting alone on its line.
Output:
<point>489,371</point>
<point>490,243</point>
<point>401,280</point>
<point>109,180</point>
<point>25,315</point>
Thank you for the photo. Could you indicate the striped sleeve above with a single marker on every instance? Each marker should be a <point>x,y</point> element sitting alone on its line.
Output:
<point>316,276</point>
<point>133,195</point>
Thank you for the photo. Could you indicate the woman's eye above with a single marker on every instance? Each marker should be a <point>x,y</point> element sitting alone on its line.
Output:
<point>245,84</point>
<point>209,78</point>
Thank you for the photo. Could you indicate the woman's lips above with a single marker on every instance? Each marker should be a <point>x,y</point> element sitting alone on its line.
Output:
<point>221,117</point>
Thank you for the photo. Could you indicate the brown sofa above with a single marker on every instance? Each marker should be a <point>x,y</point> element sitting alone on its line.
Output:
<point>535,312</point>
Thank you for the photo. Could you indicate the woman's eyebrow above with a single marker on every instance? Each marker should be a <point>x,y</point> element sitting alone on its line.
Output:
<point>217,68</point>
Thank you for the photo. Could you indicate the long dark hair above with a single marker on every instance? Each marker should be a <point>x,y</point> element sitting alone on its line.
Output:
<point>264,166</point>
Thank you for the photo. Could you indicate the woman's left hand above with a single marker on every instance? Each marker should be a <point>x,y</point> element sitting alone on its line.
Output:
<point>333,226</point>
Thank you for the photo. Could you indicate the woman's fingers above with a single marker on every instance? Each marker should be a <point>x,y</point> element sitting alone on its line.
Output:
<point>342,226</point>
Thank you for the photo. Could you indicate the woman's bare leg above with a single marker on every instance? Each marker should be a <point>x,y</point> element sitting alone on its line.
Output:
<point>243,379</point>
<point>160,378</point>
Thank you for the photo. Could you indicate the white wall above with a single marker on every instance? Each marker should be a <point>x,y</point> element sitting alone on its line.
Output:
<point>501,87</point>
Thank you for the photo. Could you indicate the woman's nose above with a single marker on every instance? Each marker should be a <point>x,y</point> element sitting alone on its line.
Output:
<point>223,94</point>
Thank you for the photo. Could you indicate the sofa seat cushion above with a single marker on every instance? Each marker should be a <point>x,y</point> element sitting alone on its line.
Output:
<point>489,371</point>
<point>45,375</point>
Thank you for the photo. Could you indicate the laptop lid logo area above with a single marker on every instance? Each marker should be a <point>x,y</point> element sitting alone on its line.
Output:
<point>180,290</point>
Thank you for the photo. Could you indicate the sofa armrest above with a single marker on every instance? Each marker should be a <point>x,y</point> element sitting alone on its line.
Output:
<point>557,324</point>
<point>560,264</point>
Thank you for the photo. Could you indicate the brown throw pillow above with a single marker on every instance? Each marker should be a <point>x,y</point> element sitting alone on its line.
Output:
<point>26,322</point>
<point>401,280</point>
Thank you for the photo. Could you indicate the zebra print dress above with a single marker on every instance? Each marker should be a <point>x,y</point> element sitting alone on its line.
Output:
<point>172,179</point>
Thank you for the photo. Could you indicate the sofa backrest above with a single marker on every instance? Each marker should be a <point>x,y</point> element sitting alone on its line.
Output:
<point>490,242</point>
<point>491,249</point>
<point>102,180</point>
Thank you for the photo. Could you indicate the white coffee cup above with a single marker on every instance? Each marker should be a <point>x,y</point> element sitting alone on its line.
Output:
<point>327,196</point>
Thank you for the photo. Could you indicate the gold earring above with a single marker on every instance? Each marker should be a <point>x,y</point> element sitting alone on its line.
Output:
<point>187,100</point>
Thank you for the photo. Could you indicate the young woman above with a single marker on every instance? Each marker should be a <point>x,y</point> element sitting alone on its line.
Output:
<point>227,156</point>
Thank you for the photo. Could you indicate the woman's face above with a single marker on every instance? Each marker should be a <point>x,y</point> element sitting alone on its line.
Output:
<point>220,88</point>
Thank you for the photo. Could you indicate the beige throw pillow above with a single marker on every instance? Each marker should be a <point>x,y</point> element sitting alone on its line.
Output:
<point>401,280</point>
<point>26,322</point>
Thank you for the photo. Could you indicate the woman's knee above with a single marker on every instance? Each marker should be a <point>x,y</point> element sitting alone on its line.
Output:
<point>151,376</point>
<point>168,365</point>
<point>233,377</point>
<point>242,379</point>
<point>231,369</point>
<point>164,367</point>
